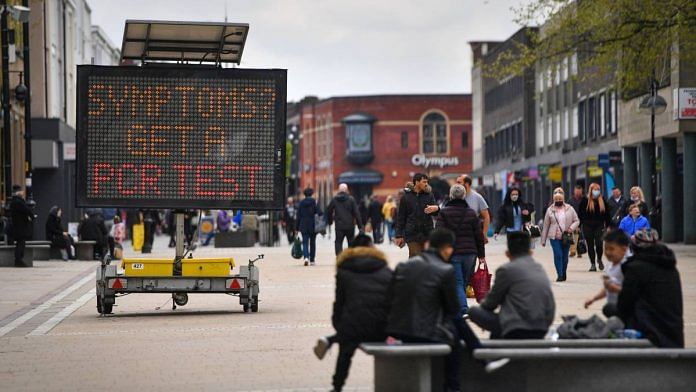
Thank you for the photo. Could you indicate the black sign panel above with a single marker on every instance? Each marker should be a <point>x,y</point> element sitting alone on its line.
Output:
<point>180,137</point>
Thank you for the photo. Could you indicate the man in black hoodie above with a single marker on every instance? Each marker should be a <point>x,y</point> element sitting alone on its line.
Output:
<point>344,210</point>
<point>650,300</point>
<point>360,308</point>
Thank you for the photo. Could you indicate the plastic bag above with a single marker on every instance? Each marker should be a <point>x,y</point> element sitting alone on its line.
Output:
<point>481,281</point>
<point>296,251</point>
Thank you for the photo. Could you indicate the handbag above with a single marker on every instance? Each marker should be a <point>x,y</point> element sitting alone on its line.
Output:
<point>566,238</point>
<point>481,281</point>
<point>533,230</point>
<point>319,225</point>
<point>296,251</point>
<point>470,292</point>
<point>582,244</point>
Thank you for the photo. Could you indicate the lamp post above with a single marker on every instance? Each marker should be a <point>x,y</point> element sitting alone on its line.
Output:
<point>653,104</point>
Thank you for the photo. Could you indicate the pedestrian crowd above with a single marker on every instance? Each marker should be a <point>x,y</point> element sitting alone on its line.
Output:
<point>423,300</point>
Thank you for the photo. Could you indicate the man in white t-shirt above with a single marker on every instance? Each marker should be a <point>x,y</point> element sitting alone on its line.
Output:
<point>616,250</point>
<point>477,203</point>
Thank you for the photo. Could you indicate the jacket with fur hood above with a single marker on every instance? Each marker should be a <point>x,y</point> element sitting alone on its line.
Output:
<point>360,310</point>
<point>412,223</point>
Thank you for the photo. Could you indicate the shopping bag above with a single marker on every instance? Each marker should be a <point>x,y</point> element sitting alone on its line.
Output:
<point>138,236</point>
<point>296,252</point>
<point>481,281</point>
<point>582,244</point>
<point>319,225</point>
<point>470,292</point>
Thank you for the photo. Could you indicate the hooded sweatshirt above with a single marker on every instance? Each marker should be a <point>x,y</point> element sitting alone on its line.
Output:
<point>650,300</point>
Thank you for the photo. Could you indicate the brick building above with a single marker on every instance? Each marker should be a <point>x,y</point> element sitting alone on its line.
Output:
<point>376,143</point>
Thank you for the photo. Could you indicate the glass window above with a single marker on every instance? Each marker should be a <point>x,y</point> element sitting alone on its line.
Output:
<point>612,114</point>
<point>404,140</point>
<point>602,115</point>
<point>582,123</point>
<point>465,139</point>
<point>566,125</point>
<point>558,128</point>
<point>434,136</point>
<point>575,122</point>
<point>591,118</point>
<point>549,130</point>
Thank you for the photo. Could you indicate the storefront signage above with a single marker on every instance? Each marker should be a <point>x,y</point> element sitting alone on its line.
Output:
<point>684,103</point>
<point>555,174</point>
<point>180,137</point>
<point>441,162</point>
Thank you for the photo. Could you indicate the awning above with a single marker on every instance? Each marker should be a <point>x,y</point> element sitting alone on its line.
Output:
<point>361,176</point>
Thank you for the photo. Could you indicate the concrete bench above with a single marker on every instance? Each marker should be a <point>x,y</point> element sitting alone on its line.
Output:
<point>42,249</point>
<point>235,239</point>
<point>585,369</point>
<point>7,256</point>
<point>84,250</point>
<point>420,367</point>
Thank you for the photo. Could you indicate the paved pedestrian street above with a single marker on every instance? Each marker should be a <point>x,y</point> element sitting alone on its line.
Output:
<point>51,337</point>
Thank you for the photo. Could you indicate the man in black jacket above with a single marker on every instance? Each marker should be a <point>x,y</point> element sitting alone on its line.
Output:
<point>22,223</point>
<point>414,220</point>
<point>615,203</point>
<point>360,308</point>
<point>344,210</point>
<point>650,300</point>
<point>424,306</point>
<point>374,214</point>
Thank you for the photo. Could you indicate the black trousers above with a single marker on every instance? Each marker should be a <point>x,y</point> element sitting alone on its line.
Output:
<point>340,235</point>
<point>490,321</point>
<point>594,235</point>
<point>19,251</point>
<point>343,362</point>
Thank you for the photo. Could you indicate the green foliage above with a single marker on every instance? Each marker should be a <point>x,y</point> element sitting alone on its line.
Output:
<point>625,40</point>
<point>288,158</point>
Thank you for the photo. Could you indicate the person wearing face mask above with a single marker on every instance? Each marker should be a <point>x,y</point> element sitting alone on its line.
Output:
<point>636,197</point>
<point>560,222</point>
<point>514,214</point>
<point>594,218</point>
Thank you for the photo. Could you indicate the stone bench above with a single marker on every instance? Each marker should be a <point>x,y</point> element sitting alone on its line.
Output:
<point>235,239</point>
<point>42,249</point>
<point>420,367</point>
<point>7,256</point>
<point>84,250</point>
<point>584,369</point>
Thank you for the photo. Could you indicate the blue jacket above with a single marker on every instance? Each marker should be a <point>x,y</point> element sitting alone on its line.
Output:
<point>305,215</point>
<point>631,226</point>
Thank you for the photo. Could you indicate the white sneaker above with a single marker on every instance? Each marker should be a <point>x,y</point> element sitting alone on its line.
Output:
<point>321,347</point>
<point>306,262</point>
<point>311,263</point>
<point>493,366</point>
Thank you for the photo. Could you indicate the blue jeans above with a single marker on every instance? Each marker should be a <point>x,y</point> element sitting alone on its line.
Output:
<point>390,229</point>
<point>560,257</point>
<point>309,245</point>
<point>463,269</point>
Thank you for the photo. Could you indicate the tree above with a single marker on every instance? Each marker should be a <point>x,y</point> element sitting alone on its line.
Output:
<point>627,41</point>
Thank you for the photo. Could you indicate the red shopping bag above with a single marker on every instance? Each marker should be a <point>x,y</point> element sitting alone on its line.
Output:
<point>481,281</point>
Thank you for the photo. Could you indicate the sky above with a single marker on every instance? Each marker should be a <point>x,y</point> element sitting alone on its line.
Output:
<point>343,47</point>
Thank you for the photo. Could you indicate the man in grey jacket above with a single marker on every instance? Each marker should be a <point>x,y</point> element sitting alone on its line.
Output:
<point>523,292</point>
<point>344,210</point>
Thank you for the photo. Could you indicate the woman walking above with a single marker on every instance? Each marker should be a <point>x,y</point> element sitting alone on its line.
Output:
<point>468,244</point>
<point>636,197</point>
<point>560,222</point>
<point>514,214</point>
<point>594,218</point>
<point>305,224</point>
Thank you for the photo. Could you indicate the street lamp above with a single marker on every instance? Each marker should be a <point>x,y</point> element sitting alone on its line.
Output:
<point>653,104</point>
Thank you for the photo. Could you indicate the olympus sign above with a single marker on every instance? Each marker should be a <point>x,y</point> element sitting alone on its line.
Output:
<point>422,160</point>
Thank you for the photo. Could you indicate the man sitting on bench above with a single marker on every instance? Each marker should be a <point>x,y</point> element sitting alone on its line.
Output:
<point>523,292</point>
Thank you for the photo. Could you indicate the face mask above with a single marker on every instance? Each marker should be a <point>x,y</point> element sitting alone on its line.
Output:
<point>634,198</point>
<point>595,193</point>
<point>514,197</point>
<point>558,204</point>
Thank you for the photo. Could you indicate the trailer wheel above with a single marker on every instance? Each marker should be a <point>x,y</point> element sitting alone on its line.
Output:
<point>255,306</point>
<point>103,308</point>
<point>246,308</point>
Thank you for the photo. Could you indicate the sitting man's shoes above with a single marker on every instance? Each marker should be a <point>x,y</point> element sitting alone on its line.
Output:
<point>493,366</point>
<point>321,347</point>
<point>593,268</point>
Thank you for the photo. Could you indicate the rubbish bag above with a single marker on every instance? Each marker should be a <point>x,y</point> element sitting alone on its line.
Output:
<point>138,236</point>
<point>594,327</point>
<point>296,252</point>
<point>481,281</point>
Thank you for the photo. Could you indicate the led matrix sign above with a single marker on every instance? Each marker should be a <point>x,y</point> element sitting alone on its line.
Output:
<point>180,137</point>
